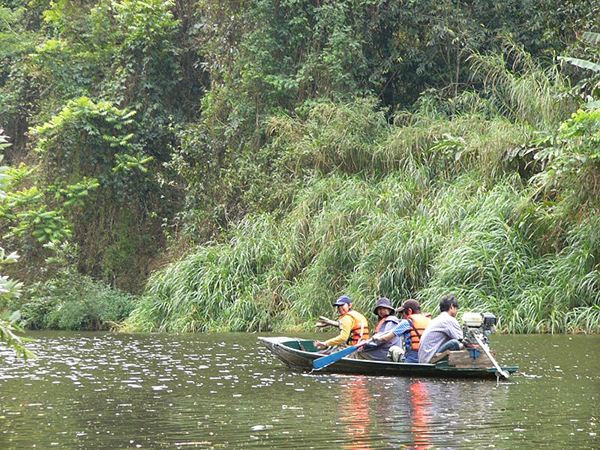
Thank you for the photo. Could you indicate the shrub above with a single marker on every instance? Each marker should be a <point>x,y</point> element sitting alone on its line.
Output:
<point>72,301</point>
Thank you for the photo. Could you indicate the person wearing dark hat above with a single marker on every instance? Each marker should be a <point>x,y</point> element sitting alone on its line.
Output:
<point>354,327</point>
<point>387,321</point>
<point>411,329</point>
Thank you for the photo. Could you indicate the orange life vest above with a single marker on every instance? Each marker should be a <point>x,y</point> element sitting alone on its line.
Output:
<point>383,319</point>
<point>360,329</point>
<point>419,322</point>
<point>393,318</point>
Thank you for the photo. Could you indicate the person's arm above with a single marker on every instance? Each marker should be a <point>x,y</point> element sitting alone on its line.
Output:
<point>398,330</point>
<point>381,338</point>
<point>346,326</point>
<point>454,330</point>
<point>325,322</point>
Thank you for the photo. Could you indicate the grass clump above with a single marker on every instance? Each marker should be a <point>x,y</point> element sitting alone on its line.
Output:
<point>72,301</point>
<point>215,288</point>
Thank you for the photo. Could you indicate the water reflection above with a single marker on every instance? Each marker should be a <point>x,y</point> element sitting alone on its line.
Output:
<point>356,414</point>
<point>420,403</point>
<point>420,414</point>
<point>459,412</point>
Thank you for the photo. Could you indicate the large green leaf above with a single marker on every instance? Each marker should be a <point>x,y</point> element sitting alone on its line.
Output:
<point>581,63</point>
<point>593,105</point>
<point>592,38</point>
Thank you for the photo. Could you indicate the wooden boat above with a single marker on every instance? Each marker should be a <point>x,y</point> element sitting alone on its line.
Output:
<point>299,354</point>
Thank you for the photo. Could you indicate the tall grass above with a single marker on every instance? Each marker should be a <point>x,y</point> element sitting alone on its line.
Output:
<point>217,287</point>
<point>349,236</point>
<point>354,139</point>
<point>332,137</point>
<point>522,90</point>
<point>495,263</point>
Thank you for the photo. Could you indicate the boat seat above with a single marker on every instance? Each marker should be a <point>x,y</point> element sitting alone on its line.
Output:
<point>439,356</point>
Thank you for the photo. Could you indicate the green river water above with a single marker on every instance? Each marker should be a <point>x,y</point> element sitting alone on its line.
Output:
<point>223,391</point>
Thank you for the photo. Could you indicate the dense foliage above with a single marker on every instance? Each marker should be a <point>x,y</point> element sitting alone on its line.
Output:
<point>9,288</point>
<point>238,164</point>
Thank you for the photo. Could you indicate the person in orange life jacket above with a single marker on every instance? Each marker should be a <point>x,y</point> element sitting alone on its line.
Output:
<point>411,328</point>
<point>354,326</point>
<point>387,322</point>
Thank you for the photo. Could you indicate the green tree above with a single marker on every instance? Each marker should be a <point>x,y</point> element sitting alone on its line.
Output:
<point>19,25</point>
<point>115,224</point>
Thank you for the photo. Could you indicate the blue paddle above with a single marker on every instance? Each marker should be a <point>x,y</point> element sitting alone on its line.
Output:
<point>330,359</point>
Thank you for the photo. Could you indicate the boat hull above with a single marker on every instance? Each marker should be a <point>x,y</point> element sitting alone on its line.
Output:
<point>299,354</point>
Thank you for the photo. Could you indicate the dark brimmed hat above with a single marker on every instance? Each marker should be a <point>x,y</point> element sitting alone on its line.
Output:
<point>342,300</point>
<point>385,303</point>
<point>410,303</point>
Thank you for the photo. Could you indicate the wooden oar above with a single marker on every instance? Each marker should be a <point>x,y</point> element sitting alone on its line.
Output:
<point>485,348</point>
<point>330,359</point>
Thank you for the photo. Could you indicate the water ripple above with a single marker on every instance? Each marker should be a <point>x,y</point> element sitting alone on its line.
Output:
<point>98,391</point>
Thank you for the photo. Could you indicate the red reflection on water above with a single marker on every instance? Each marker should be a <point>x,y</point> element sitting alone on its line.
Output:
<point>420,414</point>
<point>356,414</point>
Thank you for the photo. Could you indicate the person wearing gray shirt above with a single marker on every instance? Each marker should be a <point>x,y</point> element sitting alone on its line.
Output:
<point>443,333</point>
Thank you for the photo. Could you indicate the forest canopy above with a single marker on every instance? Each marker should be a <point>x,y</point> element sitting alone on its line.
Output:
<point>225,165</point>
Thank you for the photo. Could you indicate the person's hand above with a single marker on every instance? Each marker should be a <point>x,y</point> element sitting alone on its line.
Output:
<point>377,337</point>
<point>462,343</point>
<point>319,344</point>
<point>324,321</point>
<point>362,344</point>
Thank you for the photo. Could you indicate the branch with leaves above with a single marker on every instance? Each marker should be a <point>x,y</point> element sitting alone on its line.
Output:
<point>9,288</point>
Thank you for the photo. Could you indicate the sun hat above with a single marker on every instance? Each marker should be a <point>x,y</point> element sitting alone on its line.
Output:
<point>385,303</point>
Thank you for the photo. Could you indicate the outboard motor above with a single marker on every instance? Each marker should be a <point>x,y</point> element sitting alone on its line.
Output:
<point>476,329</point>
<point>477,325</point>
